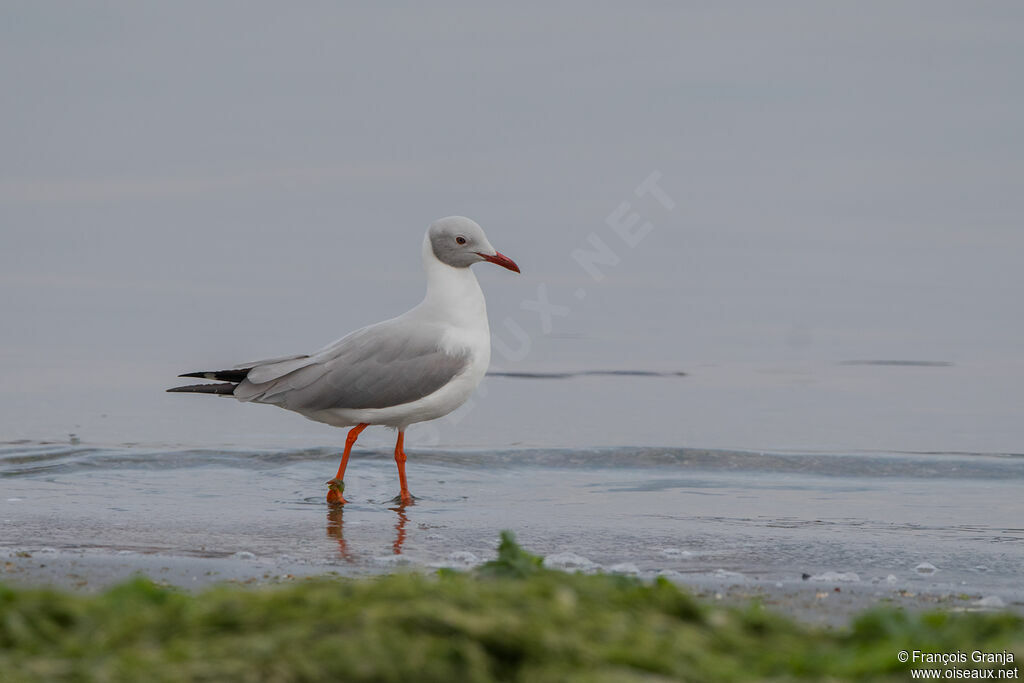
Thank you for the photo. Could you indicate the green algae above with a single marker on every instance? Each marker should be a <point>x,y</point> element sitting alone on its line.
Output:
<point>511,620</point>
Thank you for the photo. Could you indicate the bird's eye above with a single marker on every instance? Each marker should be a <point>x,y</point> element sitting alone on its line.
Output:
<point>460,240</point>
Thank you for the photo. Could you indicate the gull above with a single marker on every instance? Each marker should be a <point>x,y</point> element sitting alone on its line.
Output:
<point>419,366</point>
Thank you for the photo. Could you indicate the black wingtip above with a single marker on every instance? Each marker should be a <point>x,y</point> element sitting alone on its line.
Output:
<point>236,375</point>
<point>220,389</point>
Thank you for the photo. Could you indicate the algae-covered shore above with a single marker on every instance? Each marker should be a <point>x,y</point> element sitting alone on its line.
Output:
<point>509,620</point>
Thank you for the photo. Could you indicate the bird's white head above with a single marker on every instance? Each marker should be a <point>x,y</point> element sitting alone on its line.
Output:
<point>459,242</point>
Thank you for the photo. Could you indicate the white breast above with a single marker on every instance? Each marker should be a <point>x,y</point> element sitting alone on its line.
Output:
<point>455,302</point>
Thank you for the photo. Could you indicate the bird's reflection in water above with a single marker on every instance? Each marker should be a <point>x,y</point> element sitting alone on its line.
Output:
<point>336,529</point>
<point>399,529</point>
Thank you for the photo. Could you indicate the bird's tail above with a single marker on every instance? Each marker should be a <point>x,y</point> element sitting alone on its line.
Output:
<point>230,380</point>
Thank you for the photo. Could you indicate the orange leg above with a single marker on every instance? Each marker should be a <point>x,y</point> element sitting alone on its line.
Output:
<point>404,496</point>
<point>336,486</point>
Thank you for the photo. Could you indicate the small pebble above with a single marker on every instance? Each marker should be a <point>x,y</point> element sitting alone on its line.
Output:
<point>991,602</point>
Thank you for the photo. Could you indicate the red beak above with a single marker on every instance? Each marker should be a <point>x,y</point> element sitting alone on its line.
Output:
<point>501,260</point>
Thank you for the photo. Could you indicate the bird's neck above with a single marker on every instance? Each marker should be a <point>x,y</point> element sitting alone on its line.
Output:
<point>453,294</point>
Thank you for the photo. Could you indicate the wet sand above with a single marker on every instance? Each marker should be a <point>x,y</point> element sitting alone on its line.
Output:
<point>816,536</point>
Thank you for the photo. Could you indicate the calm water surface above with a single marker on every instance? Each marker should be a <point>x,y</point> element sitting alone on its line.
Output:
<point>833,264</point>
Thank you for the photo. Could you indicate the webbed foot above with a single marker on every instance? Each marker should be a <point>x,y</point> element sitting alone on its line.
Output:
<point>335,489</point>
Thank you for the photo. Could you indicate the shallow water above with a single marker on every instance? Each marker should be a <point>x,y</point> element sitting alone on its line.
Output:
<point>889,480</point>
<point>830,316</point>
<point>800,523</point>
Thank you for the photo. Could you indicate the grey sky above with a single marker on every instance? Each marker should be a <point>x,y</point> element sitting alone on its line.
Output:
<point>174,176</point>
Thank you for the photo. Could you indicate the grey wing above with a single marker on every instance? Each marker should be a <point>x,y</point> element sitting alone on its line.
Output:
<point>383,365</point>
<point>271,361</point>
